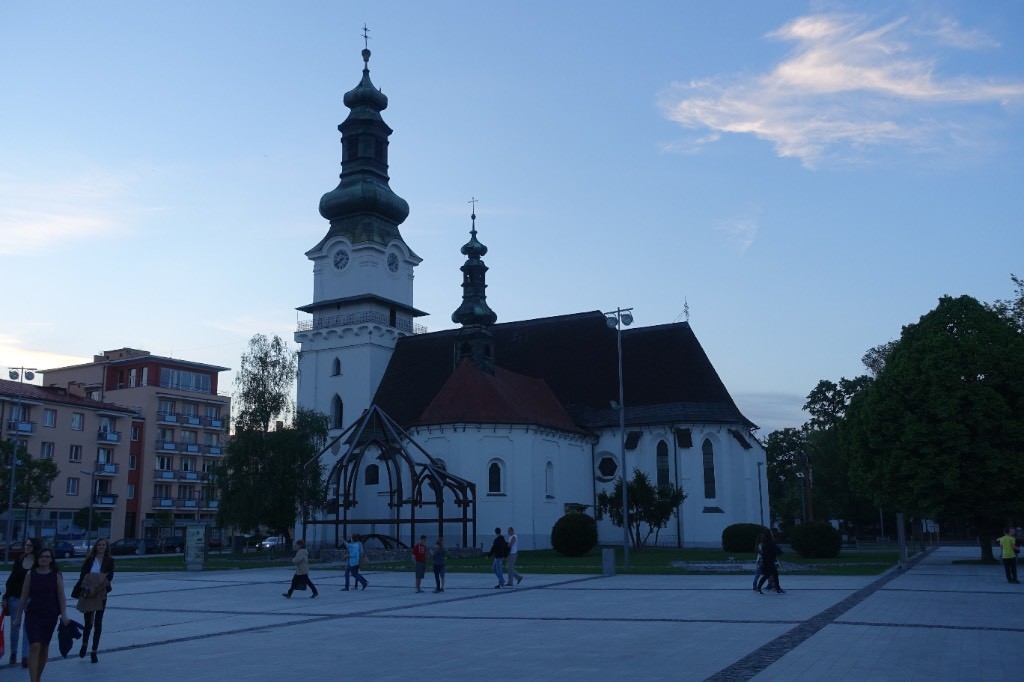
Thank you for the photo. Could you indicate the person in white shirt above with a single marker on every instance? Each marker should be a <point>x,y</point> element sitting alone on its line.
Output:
<point>513,554</point>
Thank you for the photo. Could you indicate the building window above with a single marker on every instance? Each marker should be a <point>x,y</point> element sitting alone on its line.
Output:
<point>188,464</point>
<point>337,412</point>
<point>212,439</point>
<point>104,455</point>
<point>132,377</point>
<point>46,452</point>
<point>71,487</point>
<point>336,367</point>
<point>49,417</point>
<point>131,491</point>
<point>190,409</point>
<point>662,464</point>
<point>372,475</point>
<point>212,412</point>
<point>145,376</point>
<point>133,462</point>
<point>164,463</point>
<point>165,435</point>
<point>135,432</point>
<point>161,491</point>
<point>607,467</point>
<point>165,409</point>
<point>94,394</point>
<point>106,425</point>
<point>189,437</point>
<point>75,453</point>
<point>209,465</point>
<point>549,479</point>
<point>495,477</point>
<point>77,421</point>
<point>185,492</point>
<point>184,380</point>
<point>709,469</point>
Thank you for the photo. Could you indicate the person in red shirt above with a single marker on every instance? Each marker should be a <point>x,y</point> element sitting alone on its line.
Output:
<point>419,560</point>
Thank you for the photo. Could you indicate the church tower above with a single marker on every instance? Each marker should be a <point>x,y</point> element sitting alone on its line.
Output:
<point>474,340</point>
<point>362,271</point>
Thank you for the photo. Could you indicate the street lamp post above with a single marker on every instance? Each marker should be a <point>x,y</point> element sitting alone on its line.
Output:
<point>92,498</point>
<point>803,498</point>
<point>760,497</point>
<point>617,320</point>
<point>19,375</point>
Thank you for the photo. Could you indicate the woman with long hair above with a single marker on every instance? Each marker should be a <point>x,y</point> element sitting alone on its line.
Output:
<point>12,597</point>
<point>42,602</point>
<point>91,590</point>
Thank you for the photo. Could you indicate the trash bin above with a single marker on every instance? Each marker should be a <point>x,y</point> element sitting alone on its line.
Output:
<point>608,561</point>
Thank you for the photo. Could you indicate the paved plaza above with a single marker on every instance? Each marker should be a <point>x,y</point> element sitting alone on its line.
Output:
<point>937,621</point>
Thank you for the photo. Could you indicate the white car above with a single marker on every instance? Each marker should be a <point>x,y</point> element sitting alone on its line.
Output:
<point>82,546</point>
<point>276,542</point>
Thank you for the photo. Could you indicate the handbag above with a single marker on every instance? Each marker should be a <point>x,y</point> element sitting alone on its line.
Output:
<point>299,582</point>
<point>76,591</point>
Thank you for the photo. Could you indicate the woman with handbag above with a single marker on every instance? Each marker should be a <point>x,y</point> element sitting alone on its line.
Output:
<point>12,597</point>
<point>91,592</point>
<point>301,578</point>
<point>42,602</point>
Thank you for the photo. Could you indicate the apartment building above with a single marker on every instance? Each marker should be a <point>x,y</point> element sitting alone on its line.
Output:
<point>86,438</point>
<point>177,435</point>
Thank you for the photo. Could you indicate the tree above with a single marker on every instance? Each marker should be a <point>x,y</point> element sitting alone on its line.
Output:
<point>32,481</point>
<point>1013,308</point>
<point>939,430</point>
<point>81,519</point>
<point>164,521</point>
<point>784,450</point>
<point>649,505</point>
<point>263,478</point>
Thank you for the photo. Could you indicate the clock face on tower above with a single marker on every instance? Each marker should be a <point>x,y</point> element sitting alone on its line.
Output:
<point>393,262</point>
<point>340,259</point>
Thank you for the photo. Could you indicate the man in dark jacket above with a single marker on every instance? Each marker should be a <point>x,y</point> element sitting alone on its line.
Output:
<point>499,550</point>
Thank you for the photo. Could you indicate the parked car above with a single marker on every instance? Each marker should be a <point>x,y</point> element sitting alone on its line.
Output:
<point>63,549</point>
<point>135,546</point>
<point>16,549</point>
<point>82,546</point>
<point>275,542</point>
<point>175,543</point>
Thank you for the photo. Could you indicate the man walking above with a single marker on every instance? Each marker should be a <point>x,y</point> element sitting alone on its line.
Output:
<point>499,550</point>
<point>513,554</point>
<point>355,556</point>
<point>1009,545</point>
<point>419,560</point>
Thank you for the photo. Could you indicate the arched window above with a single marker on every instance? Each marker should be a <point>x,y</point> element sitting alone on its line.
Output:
<point>662,464</point>
<point>336,367</point>
<point>495,478</point>
<point>372,475</point>
<point>709,469</point>
<point>337,412</point>
<point>549,479</point>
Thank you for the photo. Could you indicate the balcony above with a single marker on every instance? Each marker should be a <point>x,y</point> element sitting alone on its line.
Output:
<point>186,504</point>
<point>167,417</point>
<point>106,469</point>
<point>209,504</point>
<point>192,448</point>
<point>104,500</point>
<point>188,475</point>
<point>163,502</point>
<point>163,475</point>
<point>109,436</point>
<point>18,426</point>
<point>166,446</point>
<point>213,423</point>
<point>212,450</point>
<point>189,419</point>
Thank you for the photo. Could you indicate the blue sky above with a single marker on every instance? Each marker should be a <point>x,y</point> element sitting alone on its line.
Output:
<point>806,177</point>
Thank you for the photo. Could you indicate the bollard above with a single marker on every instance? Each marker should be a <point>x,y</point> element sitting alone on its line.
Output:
<point>608,561</point>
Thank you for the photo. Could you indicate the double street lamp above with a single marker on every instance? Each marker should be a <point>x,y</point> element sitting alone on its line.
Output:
<point>617,319</point>
<point>20,375</point>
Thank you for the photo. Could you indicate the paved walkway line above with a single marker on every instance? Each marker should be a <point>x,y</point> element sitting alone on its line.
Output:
<point>760,659</point>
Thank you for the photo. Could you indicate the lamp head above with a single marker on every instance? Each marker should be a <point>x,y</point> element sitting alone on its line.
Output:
<point>627,319</point>
<point>610,321</point>
<point>13,375</point>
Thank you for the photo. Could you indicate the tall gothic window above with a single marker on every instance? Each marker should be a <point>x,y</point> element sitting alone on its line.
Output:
<point>494,477</point>
<point>709,469</point>
<point>549,480</point>
<point>337,412</point>
<point>662,464</point>
<point>336,367</point>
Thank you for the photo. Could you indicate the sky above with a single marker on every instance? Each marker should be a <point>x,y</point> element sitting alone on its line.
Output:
<point>800,179</point>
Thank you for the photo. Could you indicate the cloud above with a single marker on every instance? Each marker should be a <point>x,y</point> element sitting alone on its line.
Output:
<point>36,216</point>
<point>741,231</point>
<point>846,87</point>
<point>14,351</point>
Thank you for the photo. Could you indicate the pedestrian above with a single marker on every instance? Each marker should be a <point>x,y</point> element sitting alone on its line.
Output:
<point>355,559</point>
<point>1009,545</point>
<point>41,603</point>
<point>91,592</point>
<point>513,554</point>
<point>499,550</point>
<point>758,560</point>
<point>301,578</point>
<point>419,560</point>
<point>12,597</point>
<point>437,556</point>
<point>769,563</point>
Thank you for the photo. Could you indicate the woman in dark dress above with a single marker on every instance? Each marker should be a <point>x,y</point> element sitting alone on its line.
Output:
<point>92,587</point>
<point>769,557</point>
<point>44,594</point>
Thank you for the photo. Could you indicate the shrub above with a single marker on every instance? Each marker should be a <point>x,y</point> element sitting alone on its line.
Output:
<point>815,539</point>
<point>574,534</point>
<point>741,537</point>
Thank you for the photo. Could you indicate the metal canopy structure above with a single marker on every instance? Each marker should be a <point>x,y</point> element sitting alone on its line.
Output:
<point>416,482</point>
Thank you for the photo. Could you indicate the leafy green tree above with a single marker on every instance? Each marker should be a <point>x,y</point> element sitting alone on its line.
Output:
<point>263,478</point>
<point>649,505</point>
<point>81,519</point>
<point>1013,308</point>
<point>939,431</point>
<point>32,480</point>
<point>784,450</point>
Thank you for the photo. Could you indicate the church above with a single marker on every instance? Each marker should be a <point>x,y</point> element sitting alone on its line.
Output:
<point>509,424</point>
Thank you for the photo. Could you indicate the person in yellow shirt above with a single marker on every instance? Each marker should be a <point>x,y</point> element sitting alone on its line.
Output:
<point>1009,544</point>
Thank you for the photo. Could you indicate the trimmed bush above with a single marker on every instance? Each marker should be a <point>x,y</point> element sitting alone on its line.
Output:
<point>815,540</point>
<point>741,537</point>
<point>574,534</point>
